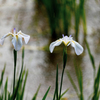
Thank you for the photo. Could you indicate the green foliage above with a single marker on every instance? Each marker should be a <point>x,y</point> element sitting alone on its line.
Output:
<point>80,82</point>
<point>46,94</point>
<point>57,93</point>
<point>90,55</point>
<point>61,13</point>
<point>35,95</point>
<point>2,75</point>
<point>96,92</point>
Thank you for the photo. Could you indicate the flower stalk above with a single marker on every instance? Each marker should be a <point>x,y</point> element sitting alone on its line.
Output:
<point>15,61</point>
<point>64,64</point>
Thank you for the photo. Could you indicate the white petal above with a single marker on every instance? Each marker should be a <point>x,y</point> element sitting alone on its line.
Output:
<point>26,37</point>
<point>53,44</point>
<point>3,38</point>
<point>1,41</point>
<point>78,48</point>
<point>17,42</point>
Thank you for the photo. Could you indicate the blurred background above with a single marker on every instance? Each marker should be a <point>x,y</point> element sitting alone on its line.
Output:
<point>45,21</point>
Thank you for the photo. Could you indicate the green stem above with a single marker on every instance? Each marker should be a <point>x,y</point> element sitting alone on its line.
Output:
<point>61,82</point>
<point>15,60</point>
<point>17,86</point>
<point>64,64</point>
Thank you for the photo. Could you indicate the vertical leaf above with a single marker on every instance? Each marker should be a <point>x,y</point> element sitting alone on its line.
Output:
<point>46,94</point>
<point>6,89</point>
<point>56,85</point>
<point>35,95</point>
<point>2,75</point>
<point>73,84</point>
<point>96,86</point>
<point>90,55</point>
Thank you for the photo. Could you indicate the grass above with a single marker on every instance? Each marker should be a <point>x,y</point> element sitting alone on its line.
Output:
<point>60,14</point>
<point>96,87</point>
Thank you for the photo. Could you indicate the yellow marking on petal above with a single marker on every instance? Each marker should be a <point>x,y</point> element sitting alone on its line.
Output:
<point>59,40</point>
<point>16,37</point>
<point>73,41</point>
<point>66,43</point>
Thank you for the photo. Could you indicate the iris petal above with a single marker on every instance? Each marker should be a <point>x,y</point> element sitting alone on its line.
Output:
<point>26,37</point>
<point>53,44</point>
<point>17,42</point>
<point>3,38</point>
<point>78,48</point>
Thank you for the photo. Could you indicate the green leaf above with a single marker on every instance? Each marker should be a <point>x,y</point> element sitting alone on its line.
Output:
<point>63,93</point>
<point>56,85</point>
<point>15,91</point>
<point>2,75</point>
<point>80,81</point>
<point>73,84</point>
<point>35,95</point>
<point>24,84</point>
<point>6,89</point>
<point>46,94</point>
<point>96,85</point>
<point>90,55</point>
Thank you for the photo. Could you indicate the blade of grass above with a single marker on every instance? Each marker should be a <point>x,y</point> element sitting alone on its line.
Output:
<point>35,95</point>
<point>96,85</point>
<point>57,83</point>
<point>2,75</point>
<point>23,89</point>
<point>91,57</point>
<point>73,84</point>
<point>80,81</point>
<point>56,86</point>
<point>46,94</point>
<point>63,93</point>
<point>6,84</point>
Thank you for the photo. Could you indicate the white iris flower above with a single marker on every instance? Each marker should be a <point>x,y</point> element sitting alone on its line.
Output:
<point>16,39</point>
<point>67,41</point>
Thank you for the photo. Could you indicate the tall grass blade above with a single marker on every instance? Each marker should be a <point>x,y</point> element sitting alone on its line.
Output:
<point>56,86</point>
<point>6,84</point>
<point>63,93</point>
<point>2,75</point>
<point>23,89</point>
<point>35,95</point>
<point>46,94</point>
<point>96,86</point>
<point>80,81</point>
<point>73,84</point>
<point>90,55</point>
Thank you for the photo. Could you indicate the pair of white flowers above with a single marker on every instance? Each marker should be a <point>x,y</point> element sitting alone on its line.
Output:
<point>17,41</point>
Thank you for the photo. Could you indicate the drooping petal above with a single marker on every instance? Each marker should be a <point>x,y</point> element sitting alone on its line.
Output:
<point>78,48</point>
<point>17,42</point>
<point>26,37</point>
<point>53,44</point>
<point>3,38</point>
